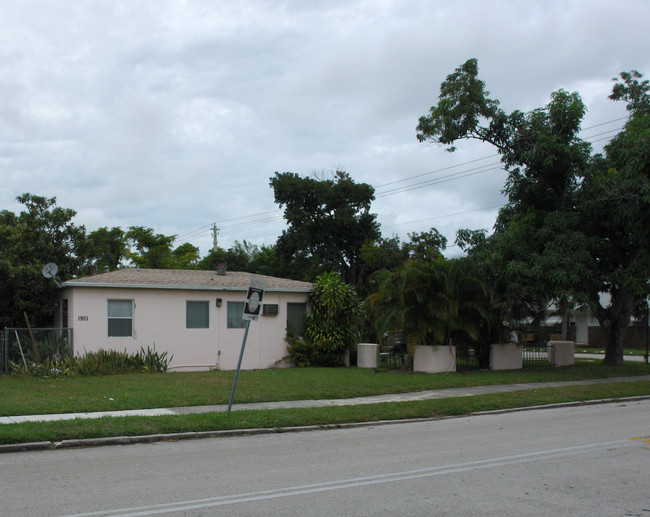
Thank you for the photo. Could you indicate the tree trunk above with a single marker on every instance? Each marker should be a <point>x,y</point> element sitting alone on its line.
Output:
<point>615,336</point>
<point>614,320</point>
<point>564,310</point>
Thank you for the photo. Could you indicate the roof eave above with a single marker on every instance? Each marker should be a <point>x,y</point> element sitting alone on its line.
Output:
<point>182,287</point>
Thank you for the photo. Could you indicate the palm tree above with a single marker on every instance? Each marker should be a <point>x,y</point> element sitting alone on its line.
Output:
<point>434,303</point>
<point>457,309</point>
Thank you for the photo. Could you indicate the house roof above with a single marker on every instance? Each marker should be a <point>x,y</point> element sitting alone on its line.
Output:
<point>184,279</point>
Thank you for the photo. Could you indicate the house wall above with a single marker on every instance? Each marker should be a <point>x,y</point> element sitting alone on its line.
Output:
<point>159,318</point>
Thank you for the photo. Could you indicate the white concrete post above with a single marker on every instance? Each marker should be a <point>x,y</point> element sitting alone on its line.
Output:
<point>561,353</point>
<point>367,355</point>
<point>434,359</point>
<point>506,356</point>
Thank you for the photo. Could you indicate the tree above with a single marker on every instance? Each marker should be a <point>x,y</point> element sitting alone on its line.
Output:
<point>244,256</point>
<point>615,206</point>
<point>106,248</point>
<point>41,233</point>
<point>426,246</point>
<point>573,241</point>
<point>149,249</point>
<point>514,292</point>
<point>186,256</point>
<point>328,221</point>
<point>433,302</point>
<point>331,327</point>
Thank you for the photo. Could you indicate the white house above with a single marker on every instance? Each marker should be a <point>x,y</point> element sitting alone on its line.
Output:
<point>584,328</point>
<point>196,316</point>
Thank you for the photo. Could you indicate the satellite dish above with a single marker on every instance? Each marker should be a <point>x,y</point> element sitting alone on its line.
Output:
<point>50,270</point>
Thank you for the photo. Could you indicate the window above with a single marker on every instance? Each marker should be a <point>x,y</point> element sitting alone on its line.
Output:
<point>296,317</point>
<point>197,315</point>
<point>235,313</point>
<point>120,318</point>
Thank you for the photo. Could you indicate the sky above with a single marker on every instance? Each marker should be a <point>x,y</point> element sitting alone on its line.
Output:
<point>174,115</point>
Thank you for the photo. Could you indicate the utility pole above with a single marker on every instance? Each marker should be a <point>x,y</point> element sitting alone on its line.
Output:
<point>215,232</point>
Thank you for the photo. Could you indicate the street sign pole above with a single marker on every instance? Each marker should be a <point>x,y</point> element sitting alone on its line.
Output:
<point>251,312</point>
<point>241,355</point>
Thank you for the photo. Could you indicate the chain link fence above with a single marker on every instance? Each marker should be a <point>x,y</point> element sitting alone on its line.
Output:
<point>27,346</point>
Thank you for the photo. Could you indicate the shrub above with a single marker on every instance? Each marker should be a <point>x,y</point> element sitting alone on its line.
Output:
<point>306,353</point>
<point>101,362</point>
<point>331,327</point>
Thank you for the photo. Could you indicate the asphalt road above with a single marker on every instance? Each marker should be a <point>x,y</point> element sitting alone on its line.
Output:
<point>591,460</point>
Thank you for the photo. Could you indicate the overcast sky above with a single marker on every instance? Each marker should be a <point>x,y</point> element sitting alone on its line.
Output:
<point>174,114</point>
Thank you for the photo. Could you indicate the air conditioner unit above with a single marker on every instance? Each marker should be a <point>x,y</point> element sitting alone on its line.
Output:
<point>270,309</point>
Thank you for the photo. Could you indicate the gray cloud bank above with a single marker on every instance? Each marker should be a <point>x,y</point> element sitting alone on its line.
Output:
<point>175,114</point>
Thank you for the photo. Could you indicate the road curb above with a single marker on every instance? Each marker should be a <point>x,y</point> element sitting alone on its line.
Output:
<point>24,447</point>
<point>197,435</point>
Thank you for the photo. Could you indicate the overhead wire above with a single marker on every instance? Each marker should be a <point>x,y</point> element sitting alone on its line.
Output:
<point>192,233</point>
<point>435,171</point>
<point>255,219</point>
<point>445,215</point>
<point>442,179</point>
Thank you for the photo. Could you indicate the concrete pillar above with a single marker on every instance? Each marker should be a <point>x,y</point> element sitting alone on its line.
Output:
<point>368,355</point>
<point>561,353</point>
<point>434,359</point>
<point>506,356</point>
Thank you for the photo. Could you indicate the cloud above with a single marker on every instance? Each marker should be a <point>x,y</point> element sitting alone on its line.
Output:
<point>174,115</point>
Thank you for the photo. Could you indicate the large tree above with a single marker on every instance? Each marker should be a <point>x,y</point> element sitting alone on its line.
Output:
<point>154,250</point>
<point>562,232</point>
<point>390,253</point>
<point>245,256</point>
<point>41,233</point>
<point>328,220</point>
<point>106,248</point>
<point>149,249</point>
<point>615,208</point>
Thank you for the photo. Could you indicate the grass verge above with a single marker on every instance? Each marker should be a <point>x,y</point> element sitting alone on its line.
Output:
<point>30,396</point>
<point>139,426</point>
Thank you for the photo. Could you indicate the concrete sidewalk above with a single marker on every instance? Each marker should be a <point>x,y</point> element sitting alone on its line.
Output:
<point>398,397</point>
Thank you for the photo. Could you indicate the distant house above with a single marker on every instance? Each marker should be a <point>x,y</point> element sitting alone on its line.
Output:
<point>584,328</point>
<point>196,316</point>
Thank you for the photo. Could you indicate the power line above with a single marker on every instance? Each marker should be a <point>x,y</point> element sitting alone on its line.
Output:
<point>247,216</point>
<point>604,123</point>
<point>436,171</point>
<point>437,181</point>
<point>445,215</point>
<point>248,223</point>
<point>255,218</point>
<point>191,234</point>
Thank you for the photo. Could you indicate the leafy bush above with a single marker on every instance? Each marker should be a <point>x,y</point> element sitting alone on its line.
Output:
<point>305,353</point>
<point>101,362</point>
<point>331,327</point>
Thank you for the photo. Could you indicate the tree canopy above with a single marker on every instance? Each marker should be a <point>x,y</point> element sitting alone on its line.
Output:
<point>106,248</point>
<point>564,231</point>
<point>328,220</point>
<point>41,233</point>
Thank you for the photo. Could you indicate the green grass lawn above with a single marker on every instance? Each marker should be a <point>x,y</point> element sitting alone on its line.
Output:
<point>27,395</point>
<point>282,418</point>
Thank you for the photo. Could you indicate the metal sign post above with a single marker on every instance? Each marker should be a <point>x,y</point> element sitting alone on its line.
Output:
<point>251,313</point>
